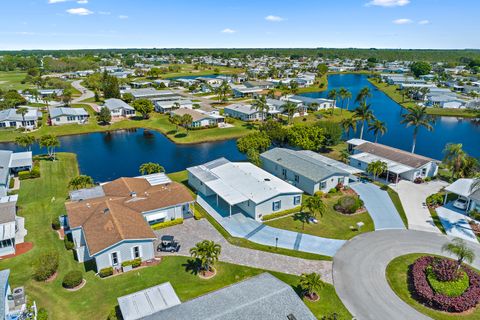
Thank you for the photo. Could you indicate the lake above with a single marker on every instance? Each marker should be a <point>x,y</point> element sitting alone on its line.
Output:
<point>429,143</point>
<point>108,155</point>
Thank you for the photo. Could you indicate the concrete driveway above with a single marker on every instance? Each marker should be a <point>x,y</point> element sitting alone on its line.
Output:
<point>192,231</point>
<point>456,223</point>
<point>359,271</point>
<point>413,197</point>
<point>379,206</point>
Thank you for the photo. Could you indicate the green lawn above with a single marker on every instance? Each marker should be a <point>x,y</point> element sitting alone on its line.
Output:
<point>398,205</point>
<point>332,225</point>
<point>158,122</point>
<point>396,274</point>
<point>11,80</point>
<point>42,199</point>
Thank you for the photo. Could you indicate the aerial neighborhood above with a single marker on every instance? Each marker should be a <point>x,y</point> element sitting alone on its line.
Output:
<point>238,182</point>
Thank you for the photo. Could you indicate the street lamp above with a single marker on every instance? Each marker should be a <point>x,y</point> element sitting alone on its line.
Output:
<point>276,243</point>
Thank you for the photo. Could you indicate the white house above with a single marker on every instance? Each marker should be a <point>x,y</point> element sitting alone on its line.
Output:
<point>119,108</point>
<point>164,106</point>
<point>62,115</point>
<point>199,119</point>
<point>313,103</point>
<point>11,163</point>
<point>149,93</point>
<point>9,118</point>
<point>243,187</point>
<point>12,227</point>
<point>468,193</point>
<point>244,112</point>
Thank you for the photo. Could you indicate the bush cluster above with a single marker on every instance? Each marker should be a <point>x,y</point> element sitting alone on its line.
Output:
<point>68,244</point>
<point>348,204</point>
<point>166,224</point>
<point>135,263</point>
<point>105,272</point>
<point>72,279</point>
<point>45,266</point>
<point>445,270</point>
<point>281,213</point>
<point>425,294</point>
<point>55,223</point>
<point>34,173</point>
<point>435,199</point>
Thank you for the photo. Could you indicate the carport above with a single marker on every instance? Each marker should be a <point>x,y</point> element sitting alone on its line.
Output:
<point>231,196</point>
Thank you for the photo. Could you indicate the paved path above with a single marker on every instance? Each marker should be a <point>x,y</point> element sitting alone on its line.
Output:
<point>191,232</point>
<point>238,225</point>
<point>86,94</point>
<point>455,223</point>
<point>359,271</point>
<point>413,197</point>
<point>379,206</point>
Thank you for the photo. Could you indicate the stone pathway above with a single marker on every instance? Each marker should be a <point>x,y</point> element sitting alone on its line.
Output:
<point>193,231</point>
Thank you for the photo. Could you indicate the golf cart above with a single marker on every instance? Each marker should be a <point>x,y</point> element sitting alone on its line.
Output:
<point>168,244</point>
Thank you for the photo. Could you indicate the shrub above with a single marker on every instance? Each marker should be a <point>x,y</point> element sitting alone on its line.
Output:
<point>72,279</point>
<point>166,224</point>
<point>339,186</point>
<point>105,272</point>
<point>68,244</point>
<point>197,215</point>
<point>475,214</point>
<point>11,183</point>
<point>348,204</point>
<point>384,187</point>
<point>435,199</point>
<point>333,191</point>
<point>445,270</point>
<point>452,288</point>
<point>45,266</point>
<point>280,213</point>
<point>418,180</point>
<point>23,175</point>
<point>319,194</point>
<point>55,223</point>
<point>135,263</point>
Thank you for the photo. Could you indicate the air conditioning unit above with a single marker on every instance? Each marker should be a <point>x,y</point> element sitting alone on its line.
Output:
<point>19,296</point>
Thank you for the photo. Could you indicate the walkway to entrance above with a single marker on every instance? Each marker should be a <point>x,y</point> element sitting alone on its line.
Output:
<point>241,226</point>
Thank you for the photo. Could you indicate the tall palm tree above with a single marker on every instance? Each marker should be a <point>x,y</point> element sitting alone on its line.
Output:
<point>376,168</point>
<point>332,94</point>
<point>22,111</point>
<point>260,105</point>
<point>315,206</point>
<point>454,158</point>
<point>345,95</point>
<point>289,108</point>
<point>311,283</point>
<point>363,113</point>
<point>349,124</point>
<point>80,182</point>
<point>458,247</point>
<point>363,95</point>
<point>207,252</point>
<point>417,117</point>
<point>378,127</point>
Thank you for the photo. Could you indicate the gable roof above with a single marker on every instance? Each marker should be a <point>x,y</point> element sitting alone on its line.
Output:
<point>242,108</point>
<point>62,111</point>
<point>400,156</point>
<point>11,114</point>
<point>114,104</point>
<point>196,116</point>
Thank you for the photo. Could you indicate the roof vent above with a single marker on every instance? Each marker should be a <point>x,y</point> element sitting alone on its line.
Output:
<point>133,194</point>
<point>266,179</point>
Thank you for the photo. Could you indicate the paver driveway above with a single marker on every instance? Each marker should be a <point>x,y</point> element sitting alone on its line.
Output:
<point>192,231</point>
<point>379,206</point>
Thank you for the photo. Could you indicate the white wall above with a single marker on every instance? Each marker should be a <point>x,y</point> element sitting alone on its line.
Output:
<point>125,253</point>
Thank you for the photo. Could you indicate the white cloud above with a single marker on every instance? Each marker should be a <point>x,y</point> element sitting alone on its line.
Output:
<point>56,1</point>
<point>402,21</point>
<point>82,1</point>
<point>388,3</point>
<point>274,18</point>
<point>80,11</point>
<point>122,16</point>
<point>423,22</point>
<point>228,30</point>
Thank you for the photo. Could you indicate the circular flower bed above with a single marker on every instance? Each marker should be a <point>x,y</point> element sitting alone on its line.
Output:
<point>427,273</point>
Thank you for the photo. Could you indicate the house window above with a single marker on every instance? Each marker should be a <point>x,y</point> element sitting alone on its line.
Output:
<point>284,172</point>
<point>13,124</point>
<point>323,184</point>
<point>297,178</point>
<point>359,164</point>
<point>276,205</point>
<point>296,200</point>
<point>114,258</point>
<point>424,171</point>
<point>341,180</point>
<point>136,252</point>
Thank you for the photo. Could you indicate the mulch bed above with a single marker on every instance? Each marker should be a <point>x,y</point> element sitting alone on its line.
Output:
<point>475,227</point>
<point>19,250</point>
<point>208,274</point>
<point>52,278</point>
<point>312,297</point>
<point>80,286</point>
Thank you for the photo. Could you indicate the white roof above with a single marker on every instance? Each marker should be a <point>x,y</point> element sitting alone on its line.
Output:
<point>149,301</point>
<point>356,142</point>
<point>331,162</point>
<point>21,159</point>
<point>156,179</point>
<point>462,187</point>
<point>392,166</point>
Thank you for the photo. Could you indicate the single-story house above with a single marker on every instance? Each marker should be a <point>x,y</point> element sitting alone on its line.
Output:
<point>259,84</point>
<point>243,186</point>
<point>241,91</point>
<point>400,163</point>
<point>199,119</point>
<point>119,108</point>
<point>43,93</point>
<point>244,112</point>
<point>276,106</point>
<point>164,81</point>
<point>62,115</point>
<point>261,297</point>
<point>149,93</point>
<point>466,190</point>
<point>306,169</point>
<point>313,103</point>
<point>111,223</point>
<point>164,106</point>
<point>9,118</point>
<point>11,163</point>
<point>12,227</point>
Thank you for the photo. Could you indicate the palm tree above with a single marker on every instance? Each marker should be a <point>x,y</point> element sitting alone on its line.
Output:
<point>314,205</point>
<point>332,94</point>
<point>22,111</point>
<point>311,283</point>
<point>176,120</point>
<point>80,182</point>
<point>150,168</point>
<point>417,117</point>
<point>363,113</point>
<point>289,108</point>
<point>459,248</point>
<point>260,105</point>
<point>378,127</point>
<point>454,158</point>
<point>377,168</point>
<point>25,141</point>
<point>345,95</point>
<point>206,252</point>
<point>349,124</point>
<point>186,120</point>
<point>363,95</point>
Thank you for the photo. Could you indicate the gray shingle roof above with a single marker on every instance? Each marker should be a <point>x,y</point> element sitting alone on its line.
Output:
<point>12,115</point>
<point>261,297</point>
<point>303,164</point>
<point>114,104</point>
<point>8,211</point>
<point>62,111</point>
<point>5,156</point>
<point>242,108</point>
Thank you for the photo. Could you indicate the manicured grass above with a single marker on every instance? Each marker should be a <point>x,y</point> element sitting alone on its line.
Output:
<point>398,205</point>
<point>12,80</point>
<point>158,122</point>
<point>42,199</point>
<point>449,288</point>
<point>436,220</point>
<point>332,225</point>
<point>397,273</point>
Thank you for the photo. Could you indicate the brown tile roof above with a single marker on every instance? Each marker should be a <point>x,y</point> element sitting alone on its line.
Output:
<point>410,159</point>
<point>118,215</point>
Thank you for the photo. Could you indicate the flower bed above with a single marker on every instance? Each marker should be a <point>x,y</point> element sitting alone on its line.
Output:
<point>423,291</point>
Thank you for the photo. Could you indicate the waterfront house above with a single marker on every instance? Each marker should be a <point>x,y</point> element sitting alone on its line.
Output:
<point>307,170</point>
<point>260,297</point>
<point>467,192</point>
<point>400,163</point>
<point>241,91</point>
<point>9,118</point>
<point>165,82</point>
<point>244,112</point>
<point>119,108</point>
<point>12,227</point>
<point>111,223</point>
<point>313,103</point>
<point>259,84</point>
<point>11,163</point>
<point>277,106</point>
<point>62,115</point>
<point>243,187</point>
<point>199,119</point>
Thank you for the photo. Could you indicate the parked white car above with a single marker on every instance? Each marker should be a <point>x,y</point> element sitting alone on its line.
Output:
<point>460,203</point>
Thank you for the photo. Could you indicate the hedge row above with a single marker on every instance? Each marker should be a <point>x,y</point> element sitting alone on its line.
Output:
<point>34,173</point>
<point>424,292</point>
<point>135,263</point>
<point>166,224</point>
<point>281,213</point>
<point>105,272</point>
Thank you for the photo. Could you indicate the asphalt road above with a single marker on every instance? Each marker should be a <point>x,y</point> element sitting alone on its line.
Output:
<point>86,94</point>
<point>359,271</point>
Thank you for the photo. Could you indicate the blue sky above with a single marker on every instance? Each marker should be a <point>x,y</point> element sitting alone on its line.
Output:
<point>69,24</point>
